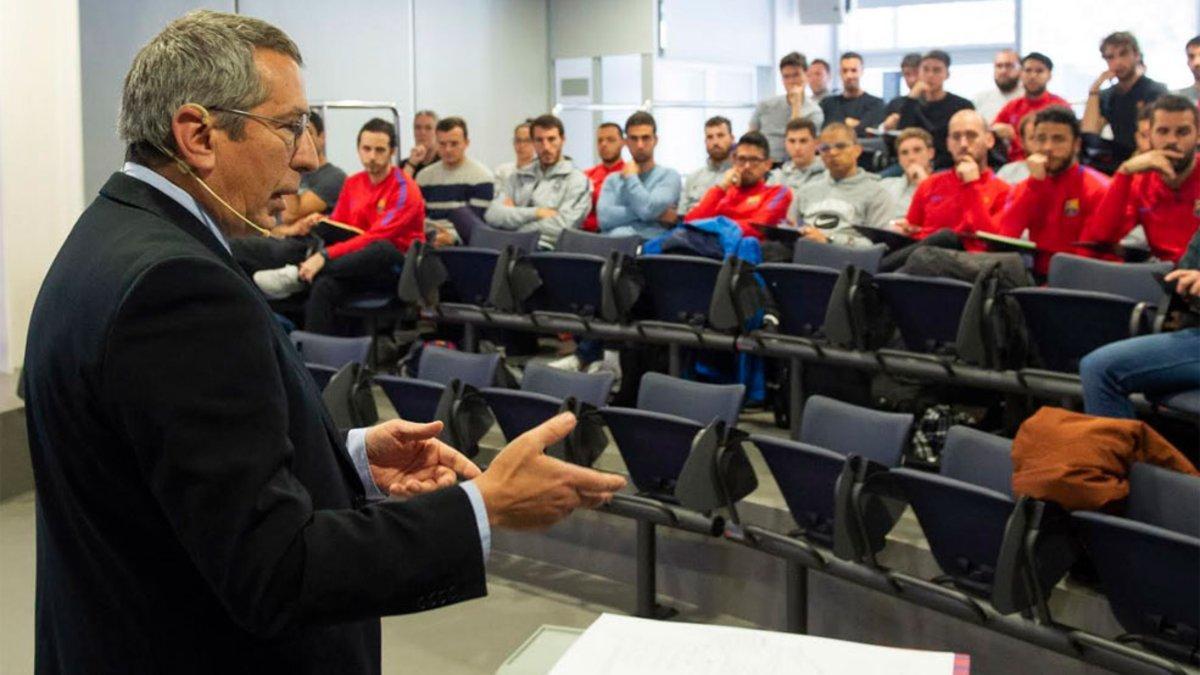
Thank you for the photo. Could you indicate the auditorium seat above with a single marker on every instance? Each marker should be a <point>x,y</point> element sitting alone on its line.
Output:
<point>541,396</point>
<point>807,470</point>
<point>571,284</point>
<point>496,239</point>
<point>416,398</point>
<point>964,511</point>
<point>579,241</point>
<point>655,438</point>
<point>1065,325</point>
<point>468,274</point>
<point>678,288</point>
<point>1148,559</point>
<point>325,354</point>
<point>926,310</point>
<point>836,256</point>
<point>1132,280</point>
<point>800,295</point>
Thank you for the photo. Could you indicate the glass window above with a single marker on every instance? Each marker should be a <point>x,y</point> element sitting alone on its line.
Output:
<point>924,25</point>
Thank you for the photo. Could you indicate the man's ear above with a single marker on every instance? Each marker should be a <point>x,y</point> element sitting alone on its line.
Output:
<point>191,127</point>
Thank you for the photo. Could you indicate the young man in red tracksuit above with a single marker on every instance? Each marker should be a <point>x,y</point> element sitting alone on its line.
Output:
<point>742,195</point>
<point>386,204</point>
<point>1060,194</point>
<point>1159,189</point>
<point>610,138</point>
<point>1035,74</point>
<point>961,200</point>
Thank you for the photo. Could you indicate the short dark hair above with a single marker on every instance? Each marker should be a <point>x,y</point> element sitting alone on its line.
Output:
<point>523,124</point>
<point>852,55</point>
<point>1175,103</point>
<point>793,59</point>
<point>1029,120</point>
<point>1058,114</point>
<point>936,55</point>
<point>757,140</point>
<point>1040,57</point>
<point>820,62</point>
<point>801,123</point>
<point>1145,113</point>
<point>838,127</point>
<point>1194,42</point>
<point>314,118</point>
<point>718,120</point>
<point>547,121</point>
<point>612,125</point>
<point>450,124</point>
<point>379,126</point>
<point>425,113</point>
<point>641,118</point>
<point>1121,38</point>
<point>910,60</point>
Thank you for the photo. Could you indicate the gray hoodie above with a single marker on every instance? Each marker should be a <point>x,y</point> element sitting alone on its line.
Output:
<point>836,205</point>
<point>562,187</point>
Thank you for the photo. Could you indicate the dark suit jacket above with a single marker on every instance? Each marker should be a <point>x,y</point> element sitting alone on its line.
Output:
<point>197,509</point>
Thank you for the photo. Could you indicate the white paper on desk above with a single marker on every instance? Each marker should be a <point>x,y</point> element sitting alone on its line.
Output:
<point>624,645</point>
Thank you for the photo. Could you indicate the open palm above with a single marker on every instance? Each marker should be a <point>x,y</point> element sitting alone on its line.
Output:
<point>407,459</point>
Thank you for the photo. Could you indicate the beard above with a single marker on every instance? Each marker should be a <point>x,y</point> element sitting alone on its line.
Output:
<point>1007,84</point>
<point>1184,163</point>
<point>719,155</point>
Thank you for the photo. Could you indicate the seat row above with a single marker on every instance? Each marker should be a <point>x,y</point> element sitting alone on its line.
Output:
<point>842,480</point>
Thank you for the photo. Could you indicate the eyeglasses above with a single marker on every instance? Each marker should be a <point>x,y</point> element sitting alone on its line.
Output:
<point>298,127</point>
<point>749,160</point>
<point>839,146</point>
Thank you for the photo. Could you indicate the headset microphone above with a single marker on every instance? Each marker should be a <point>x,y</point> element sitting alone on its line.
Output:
<point>188,170</point>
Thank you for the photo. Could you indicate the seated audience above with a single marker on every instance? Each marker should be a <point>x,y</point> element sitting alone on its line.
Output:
<point>1036,69</point>
<point>817,75</point>
<point>914,149</point>
<point>845,196</point>
<point>1159,189</point>
<point>963,199</point>
<point>1192,91</point>
<point>802,165</point>
<point>549,196</point>
<point>453,182</point>
<point>642,199</point>
<point>319,189</point>
<point>1155,365</point>
<point>382,201</point>
<point>929,106</point>
<point>718,143</point>
<point>1006,74</point>
<point>1060,194</point>
<point>609,141</point>
<point>1117,106</point>
<point>771,116</point>
<point>854,107</point>
<point>1016,171</point>
<point>523,152</point>
<point>1142,138</point>
<point>910,71</point>
<point>424,150</point>
<point>742,195</point>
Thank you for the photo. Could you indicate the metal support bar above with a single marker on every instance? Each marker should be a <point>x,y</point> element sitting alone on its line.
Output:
<point>674,360</point>
<point>797,597</point>
<point>795,396</point>
<point>647,583</point>
<point>470,337</point>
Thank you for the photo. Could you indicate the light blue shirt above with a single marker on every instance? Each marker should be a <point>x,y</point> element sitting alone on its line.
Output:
<point>634,203</point>
<point>356,439</point>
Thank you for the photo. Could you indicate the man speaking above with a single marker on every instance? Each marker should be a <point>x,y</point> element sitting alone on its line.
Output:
<point>197,509</point>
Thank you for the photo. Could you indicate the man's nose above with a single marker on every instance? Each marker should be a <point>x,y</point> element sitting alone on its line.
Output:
<point>305,157</point>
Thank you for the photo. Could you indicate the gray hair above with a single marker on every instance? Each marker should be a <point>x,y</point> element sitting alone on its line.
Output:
<point>203,57</point>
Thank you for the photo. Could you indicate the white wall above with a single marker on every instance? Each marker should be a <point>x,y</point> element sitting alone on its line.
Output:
<point>41,162</point>
<point>484,60</point>
<point>599,27</point>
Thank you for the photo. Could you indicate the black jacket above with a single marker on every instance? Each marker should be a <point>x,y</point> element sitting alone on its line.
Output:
<point>197,509</point>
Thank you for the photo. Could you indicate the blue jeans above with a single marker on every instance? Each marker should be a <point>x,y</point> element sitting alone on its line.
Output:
<point>1154,365</point>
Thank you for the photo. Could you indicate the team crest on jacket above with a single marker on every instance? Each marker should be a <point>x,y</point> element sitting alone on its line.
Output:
<point>1071,208</point>
<point>753,201</point>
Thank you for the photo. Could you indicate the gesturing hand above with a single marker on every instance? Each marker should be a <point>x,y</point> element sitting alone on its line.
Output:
<point>525,489</point>
<point>407,459</point>
<point>1155,160</point>
<point>1187,282</point>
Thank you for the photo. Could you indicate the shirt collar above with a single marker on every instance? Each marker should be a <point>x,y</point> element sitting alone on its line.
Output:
<point>160,183</point>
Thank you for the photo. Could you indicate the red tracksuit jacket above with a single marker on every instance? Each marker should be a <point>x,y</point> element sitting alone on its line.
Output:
<point>760,203</point>
<point>1169,217</point>
<point>1054,211</point>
